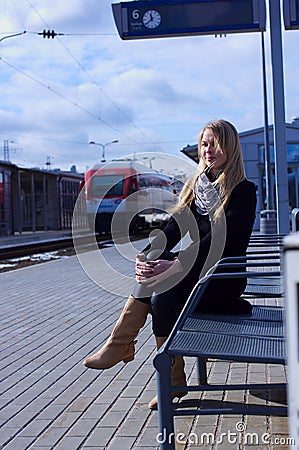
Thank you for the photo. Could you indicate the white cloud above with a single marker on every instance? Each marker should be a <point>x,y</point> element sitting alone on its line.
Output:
<point>57,94</point>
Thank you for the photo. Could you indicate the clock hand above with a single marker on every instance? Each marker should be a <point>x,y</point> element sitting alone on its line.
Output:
<point>151,19</point>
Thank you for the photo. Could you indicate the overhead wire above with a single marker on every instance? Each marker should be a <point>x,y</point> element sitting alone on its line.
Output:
<point>74,103</point>
<point>59,94</point>
<point>101,90</point>
<point>66,141</point>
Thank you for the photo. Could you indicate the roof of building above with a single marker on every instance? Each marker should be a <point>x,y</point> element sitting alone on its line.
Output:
<point>192,150</point>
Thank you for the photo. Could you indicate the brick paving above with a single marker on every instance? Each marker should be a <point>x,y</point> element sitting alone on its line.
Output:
<point>52,316</point>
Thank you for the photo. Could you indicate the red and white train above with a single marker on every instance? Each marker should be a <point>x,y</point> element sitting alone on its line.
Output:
<point>126,195</point>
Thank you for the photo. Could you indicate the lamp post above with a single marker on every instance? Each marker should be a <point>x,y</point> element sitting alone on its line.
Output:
<point>150,159</point>
<point>103,147</point>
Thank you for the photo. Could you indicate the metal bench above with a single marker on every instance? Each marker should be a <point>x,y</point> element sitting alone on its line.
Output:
<point>266,287</point>
<point>258,338</point>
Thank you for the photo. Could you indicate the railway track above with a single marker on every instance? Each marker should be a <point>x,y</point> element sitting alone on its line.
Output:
<point>29,248</point>
<point>25,253</point>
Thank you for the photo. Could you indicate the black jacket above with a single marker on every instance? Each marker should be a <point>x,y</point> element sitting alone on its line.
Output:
<point>222,295</point>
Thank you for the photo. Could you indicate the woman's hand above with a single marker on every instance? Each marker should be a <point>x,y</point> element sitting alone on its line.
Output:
<point>153,272</point>
<point>143,268</point>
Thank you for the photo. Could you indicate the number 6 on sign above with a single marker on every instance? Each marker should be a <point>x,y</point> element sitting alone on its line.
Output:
<point>135,14</point>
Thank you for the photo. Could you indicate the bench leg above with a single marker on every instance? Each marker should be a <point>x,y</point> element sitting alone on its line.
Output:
<point>201,366</point>
<point>166,436</point>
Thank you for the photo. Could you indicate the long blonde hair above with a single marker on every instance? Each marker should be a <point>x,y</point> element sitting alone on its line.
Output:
<point>226,138</point>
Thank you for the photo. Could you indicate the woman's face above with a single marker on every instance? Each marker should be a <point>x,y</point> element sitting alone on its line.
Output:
<point>215,158</point>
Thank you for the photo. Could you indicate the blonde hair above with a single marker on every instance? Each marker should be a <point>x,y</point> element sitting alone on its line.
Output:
<point>227,139</point>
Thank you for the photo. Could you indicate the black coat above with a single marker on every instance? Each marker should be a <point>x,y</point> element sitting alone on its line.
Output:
<point>221,295</point>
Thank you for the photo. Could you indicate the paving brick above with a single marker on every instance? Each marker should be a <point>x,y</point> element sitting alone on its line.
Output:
<point>114,418</point>
<point>7,433</point>
<point>69,443</point>
<point>148,439</point>
<point>122,443</point>
<point>100,437</point>
<point>51,436</point>
<point>82,427</point>
<point>127,429</point>
<point>34,428</point>
<point>19,443</point>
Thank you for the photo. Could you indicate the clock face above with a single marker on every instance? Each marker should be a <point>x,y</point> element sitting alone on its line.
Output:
<point>151,19</point>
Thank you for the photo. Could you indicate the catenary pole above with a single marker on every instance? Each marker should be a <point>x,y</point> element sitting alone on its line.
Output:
<point>267,160</point>
<point>280,147</point>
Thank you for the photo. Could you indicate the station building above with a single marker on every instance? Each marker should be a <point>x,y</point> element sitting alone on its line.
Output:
<point>253,146</point>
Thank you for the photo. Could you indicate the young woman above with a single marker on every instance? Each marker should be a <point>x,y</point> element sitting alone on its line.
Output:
<point>217,208</point>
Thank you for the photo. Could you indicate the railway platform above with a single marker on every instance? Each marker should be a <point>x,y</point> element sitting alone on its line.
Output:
<point>52,316</point>
<point>29,237</point>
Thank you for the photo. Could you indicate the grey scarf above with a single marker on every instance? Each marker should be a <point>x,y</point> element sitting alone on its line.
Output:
<point>207,197</point>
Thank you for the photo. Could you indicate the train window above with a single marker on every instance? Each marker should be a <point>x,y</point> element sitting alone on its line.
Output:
<point>143,182</point>
<point>106,185</point>
<point>133,187</point>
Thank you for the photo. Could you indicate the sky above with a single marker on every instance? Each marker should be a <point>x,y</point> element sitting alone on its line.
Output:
<point>153,96</point>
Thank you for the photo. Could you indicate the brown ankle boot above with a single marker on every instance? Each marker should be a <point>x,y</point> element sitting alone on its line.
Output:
<point>178,377</point>
<point>120,345</point>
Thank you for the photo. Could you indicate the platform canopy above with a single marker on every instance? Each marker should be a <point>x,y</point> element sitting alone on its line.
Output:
<point>170,18</point>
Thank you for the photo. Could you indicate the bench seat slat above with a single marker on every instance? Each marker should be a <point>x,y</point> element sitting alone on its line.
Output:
<point>234,326</point>
<point>265,281</point>
<point>229,347</point>
<point>265,287</point>
<point>275,313</point>
<point>263,291</point>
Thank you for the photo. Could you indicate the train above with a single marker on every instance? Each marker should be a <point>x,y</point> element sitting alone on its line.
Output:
<point>125,196</point>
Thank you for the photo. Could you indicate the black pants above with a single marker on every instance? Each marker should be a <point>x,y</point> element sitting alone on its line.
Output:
<point>165,307</point>
<point>220,297</point>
